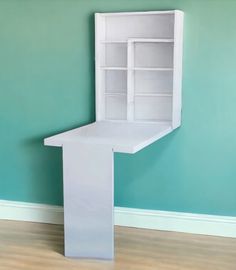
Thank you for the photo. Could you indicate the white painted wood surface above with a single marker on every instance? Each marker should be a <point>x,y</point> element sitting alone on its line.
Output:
<point>88,200</point>
<point>122,137</point>
<point>138,101</point>
<point>139,53</point>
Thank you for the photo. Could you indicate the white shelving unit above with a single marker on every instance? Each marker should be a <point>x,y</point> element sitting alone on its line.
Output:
<point>138,67</point>
<point>138,101</point>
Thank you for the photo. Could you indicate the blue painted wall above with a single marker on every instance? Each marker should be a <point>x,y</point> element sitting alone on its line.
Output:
<point>47,86</point>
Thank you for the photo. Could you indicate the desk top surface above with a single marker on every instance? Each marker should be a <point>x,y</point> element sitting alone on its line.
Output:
<point>124,137</point>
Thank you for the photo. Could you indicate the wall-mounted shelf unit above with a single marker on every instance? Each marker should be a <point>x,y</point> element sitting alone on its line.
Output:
<point>138,54</point>
<point>138,101</point>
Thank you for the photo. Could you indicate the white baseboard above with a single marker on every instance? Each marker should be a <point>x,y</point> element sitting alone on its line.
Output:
<point>34,212</point>
<point>176,221</point>
<point>131,217</point>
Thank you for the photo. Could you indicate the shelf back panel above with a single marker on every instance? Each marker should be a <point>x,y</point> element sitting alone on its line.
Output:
<point>139,26</point>
<point>153,55</point>
<point>115,81</point>
<point>116,108</point>
<point>153,82</point>
<point>114,55</point>
<point>153,108</point>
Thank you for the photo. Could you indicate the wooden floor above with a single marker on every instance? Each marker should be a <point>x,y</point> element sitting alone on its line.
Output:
<point>26,245</point>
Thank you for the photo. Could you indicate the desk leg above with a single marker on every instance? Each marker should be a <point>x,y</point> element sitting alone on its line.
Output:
<point>88,200</point>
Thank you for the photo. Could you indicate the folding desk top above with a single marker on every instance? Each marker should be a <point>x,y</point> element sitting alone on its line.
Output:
<point>124,137</point>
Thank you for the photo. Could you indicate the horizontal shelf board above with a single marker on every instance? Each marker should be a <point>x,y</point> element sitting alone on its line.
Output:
<point>169,94</point>
<point>137,68</point>
<point>167,122</point>
<point>151,120</point>
<point>114,41</point>
<point>152,69</point>
<point>167,40</point>
<point>152,40</point>
<point>138,13</point>
<point>137,121</point>
<point>114,68</point>
<point>115,94</point>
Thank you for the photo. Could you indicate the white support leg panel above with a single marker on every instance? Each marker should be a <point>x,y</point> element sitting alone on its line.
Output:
<point>88,207</point>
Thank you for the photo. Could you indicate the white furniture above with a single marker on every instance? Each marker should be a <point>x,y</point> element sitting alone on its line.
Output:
<point>138,101</point>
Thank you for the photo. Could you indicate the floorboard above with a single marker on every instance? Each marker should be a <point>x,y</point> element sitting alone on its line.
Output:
<point>35,246</point>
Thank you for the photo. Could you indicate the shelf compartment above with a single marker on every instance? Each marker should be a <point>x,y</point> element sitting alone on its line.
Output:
<point>114,54</point>
<point>149,108</point>
<point>160,81</point>
<point>115,81</point>
<point>140,26</point>
<point>153,55</point>
<point>116,107</point>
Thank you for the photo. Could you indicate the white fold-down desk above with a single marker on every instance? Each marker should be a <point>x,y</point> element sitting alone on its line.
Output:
<point>138,101</point>
<point>121,137</point>
<point>89,180</point>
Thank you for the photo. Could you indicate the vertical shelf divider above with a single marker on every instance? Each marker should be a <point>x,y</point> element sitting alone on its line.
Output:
<point>130,80</point>
<point>100,34</point>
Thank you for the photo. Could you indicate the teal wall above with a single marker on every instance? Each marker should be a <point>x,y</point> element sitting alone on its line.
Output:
<point>47,86</point>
